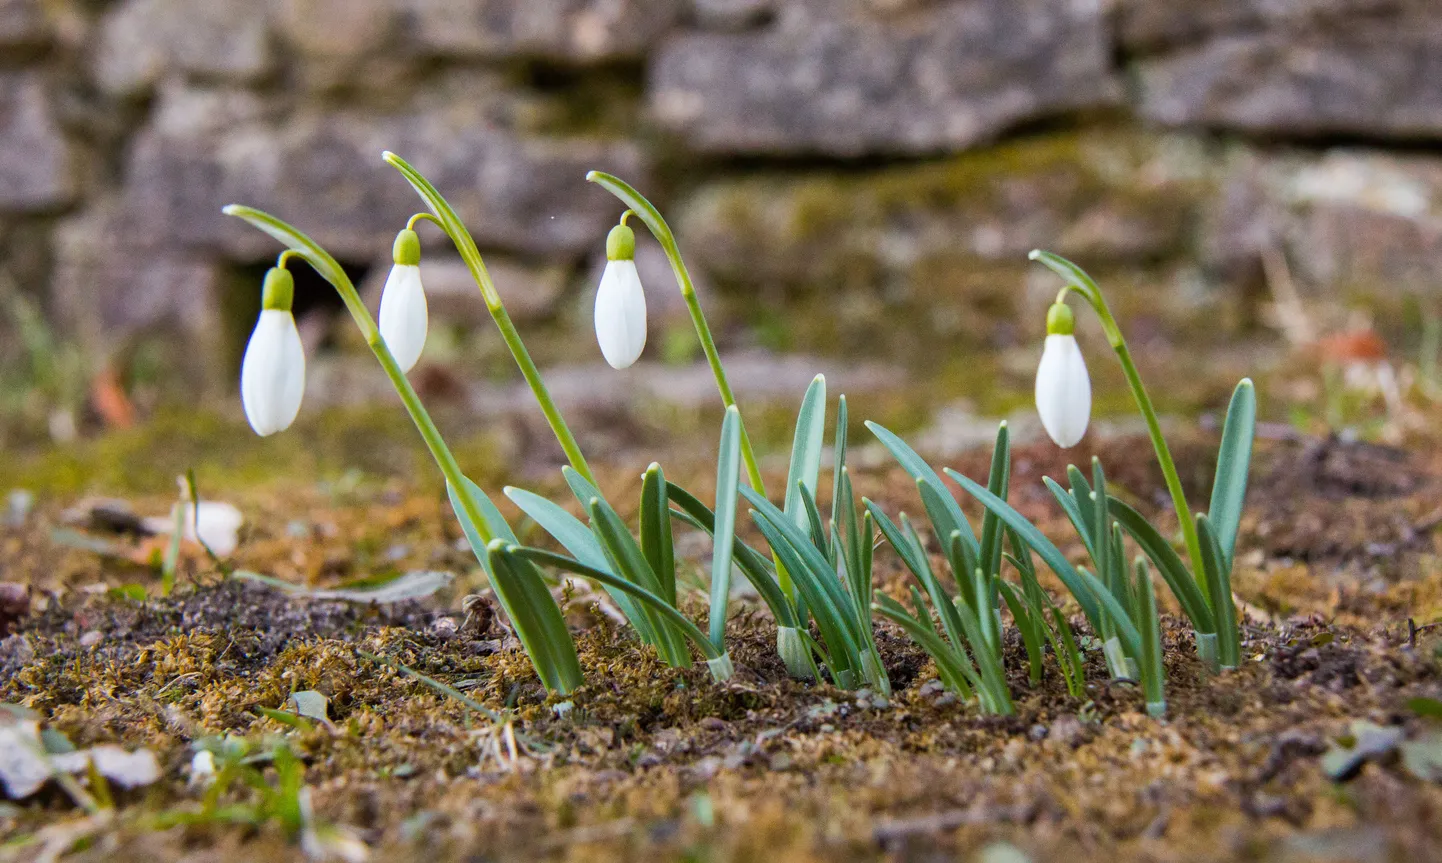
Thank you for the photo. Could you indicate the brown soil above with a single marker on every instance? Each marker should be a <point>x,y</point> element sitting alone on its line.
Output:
<point>1338,552</point>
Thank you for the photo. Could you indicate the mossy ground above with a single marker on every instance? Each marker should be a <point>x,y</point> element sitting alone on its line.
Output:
<point>1338,551</point>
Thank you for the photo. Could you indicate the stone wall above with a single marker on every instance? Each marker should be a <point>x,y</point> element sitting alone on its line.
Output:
<point>870,157</point>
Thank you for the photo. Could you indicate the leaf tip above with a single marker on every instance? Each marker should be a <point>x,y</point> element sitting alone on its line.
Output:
<point>1034,255</point>
<point>592,176</point>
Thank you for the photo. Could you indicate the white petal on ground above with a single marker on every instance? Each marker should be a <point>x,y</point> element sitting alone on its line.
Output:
<point>403,317</point>
<point>621,314</point>
<point>219,525</point>
<point>25,768</point>
<point>272,375</point>
<point>1063,391</point>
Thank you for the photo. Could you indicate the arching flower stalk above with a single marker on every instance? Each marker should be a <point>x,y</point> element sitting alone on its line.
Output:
<point>521,591</point>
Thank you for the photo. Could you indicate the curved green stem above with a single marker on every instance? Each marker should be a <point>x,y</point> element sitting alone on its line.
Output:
<point>445,216</point>
<point>1081,283</point>
<point>648,213</point>
<point>419,217</point>
<point>299,245</point>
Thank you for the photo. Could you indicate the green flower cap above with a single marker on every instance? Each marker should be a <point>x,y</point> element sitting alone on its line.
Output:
<point>279,290</point>
<point>621,244</point>
<point>1059,320</point>
<point>407,250</point>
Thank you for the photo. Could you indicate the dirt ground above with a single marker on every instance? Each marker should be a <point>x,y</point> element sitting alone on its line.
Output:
<point>1339,550</point>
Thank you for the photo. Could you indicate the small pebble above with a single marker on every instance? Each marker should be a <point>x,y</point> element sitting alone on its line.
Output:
<point>1067,730</point>
<point>91,638</point>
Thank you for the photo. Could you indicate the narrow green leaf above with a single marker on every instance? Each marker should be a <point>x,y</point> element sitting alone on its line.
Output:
<point>917,560</point>
<point>522,594</point>
<point>654,602</point>
<point>537,620</point>
<point>755,565</point>
<point>656,530</point>
<point>1073,512</point>
<point>1093,597</point>
<point>998,482</point>
<point>1234,461</point>
<point>564,528</point>
<point>582,488</point>
<point>997,695</point>
<point>1081,493</point>
<point>1154,673</point>
<point>1169,564</point>
<point>956,670</point>
<point>801,559</point>
<point>1219,583</point>
<point>1101,531</point>
<point>728,479</point>
<point>813,521</point>
<point>575,537</point>
<point>919,469</point>
<point>961,557</point>
<point>806,449</point>
<point>627,559</point>
<point>1026,624</point>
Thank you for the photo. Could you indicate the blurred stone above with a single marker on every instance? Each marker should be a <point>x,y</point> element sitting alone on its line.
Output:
<point>37,171</point>
<point>324,172</point>
<point>186,111</point>
<point>108,285</point>
<point>1102,198</point>
<point>1353,75</point>
<point>23,24</point>
<point>733,14</point>
<point>337,29</point>
<point>568,30</point>
<point>1352,221</point>
<point>844,81</point>
<point>1365,220</point>
<point>1150,25</point>
<point>140,40</point>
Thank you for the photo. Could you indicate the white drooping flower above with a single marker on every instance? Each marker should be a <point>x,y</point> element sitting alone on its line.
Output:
<point>620,302</point>
<point>272,374</point>
<point>1063,388</point>
<point>403,316</point>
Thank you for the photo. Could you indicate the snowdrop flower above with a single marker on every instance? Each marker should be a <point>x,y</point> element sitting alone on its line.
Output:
<point>1063,389</point>
<point>403,319</point>
<point>272,375</point>
<point>620,302</point>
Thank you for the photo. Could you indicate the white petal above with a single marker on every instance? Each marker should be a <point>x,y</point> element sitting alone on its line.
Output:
<point>621,314</point>
<point>403,318</point>
<point>1063,391</point>
<point>272,375</point>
